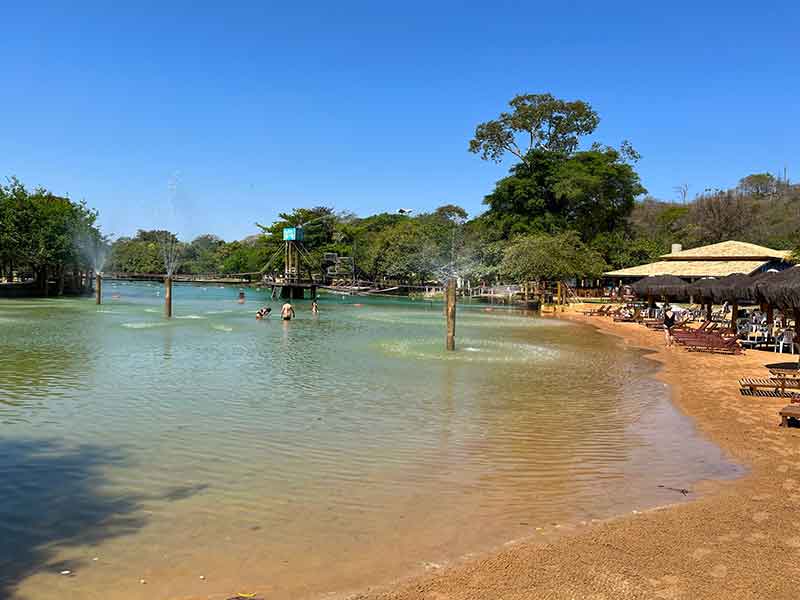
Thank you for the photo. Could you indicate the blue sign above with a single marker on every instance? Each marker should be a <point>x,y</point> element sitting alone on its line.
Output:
<point>293,234</point>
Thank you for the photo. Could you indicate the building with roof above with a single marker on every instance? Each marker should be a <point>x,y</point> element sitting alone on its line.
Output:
<point>715,260</point>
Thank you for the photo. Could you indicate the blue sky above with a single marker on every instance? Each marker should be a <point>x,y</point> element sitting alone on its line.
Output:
<point>208,116</point>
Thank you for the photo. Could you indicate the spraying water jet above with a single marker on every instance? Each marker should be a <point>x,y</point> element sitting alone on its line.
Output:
<point>170,252</point>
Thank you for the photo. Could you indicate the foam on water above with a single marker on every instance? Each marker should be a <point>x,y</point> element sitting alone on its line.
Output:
<point>474,351</point>
<point>145,324</point>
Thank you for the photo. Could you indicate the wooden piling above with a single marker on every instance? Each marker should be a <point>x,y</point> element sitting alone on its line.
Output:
<point>450,312</point>
<point>168,297</point>
<point>98,289</point>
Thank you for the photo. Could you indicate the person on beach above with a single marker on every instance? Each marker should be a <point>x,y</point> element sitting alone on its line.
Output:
<point>314,307</point>
<point>669,323</point>
<point>263,312</point>
<point>287,311</point>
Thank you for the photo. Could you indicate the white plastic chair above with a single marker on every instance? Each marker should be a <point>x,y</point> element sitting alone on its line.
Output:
<point>787,338</point>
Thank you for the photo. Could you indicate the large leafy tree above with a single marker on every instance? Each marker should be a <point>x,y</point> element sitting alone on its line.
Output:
<point>536,121</point>
<point>45,233</point>
<point>591,192</point>
<point>544,257</point>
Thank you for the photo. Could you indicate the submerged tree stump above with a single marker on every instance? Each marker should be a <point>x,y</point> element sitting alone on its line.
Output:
<point>450,313</point>
<point>168,297</point>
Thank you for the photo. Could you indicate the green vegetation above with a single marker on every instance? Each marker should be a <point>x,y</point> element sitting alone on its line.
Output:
<point>44,238</point>
<point>561,212</point>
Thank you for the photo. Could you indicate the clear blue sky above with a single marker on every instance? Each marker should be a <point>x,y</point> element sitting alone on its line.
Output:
<point>237,111</point>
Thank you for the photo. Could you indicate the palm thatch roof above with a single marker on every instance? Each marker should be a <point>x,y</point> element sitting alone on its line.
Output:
<point>730,250</point>
<point>660,285</point>
<point>781,289</point>
<point>690,268</point>
<point>702,288</point>
<point>714,260</point>
<point>734,288</point>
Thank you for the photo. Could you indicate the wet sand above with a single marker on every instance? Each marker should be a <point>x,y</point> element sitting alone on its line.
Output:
<point>738,539</point>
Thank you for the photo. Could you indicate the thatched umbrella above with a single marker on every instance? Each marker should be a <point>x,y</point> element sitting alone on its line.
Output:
<point>703,288</point>
<point>660,285</point>
<point>782,290</point>
<point>734,288</point>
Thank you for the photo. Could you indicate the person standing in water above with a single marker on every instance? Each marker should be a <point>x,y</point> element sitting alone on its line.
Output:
<point>287,311</point>
<point>314,307</point>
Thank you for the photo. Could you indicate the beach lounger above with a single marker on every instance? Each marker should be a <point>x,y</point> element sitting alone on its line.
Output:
<point>751,385</point>
<point>790,413</point>
<point>713,343</point>
<point>594,312</point>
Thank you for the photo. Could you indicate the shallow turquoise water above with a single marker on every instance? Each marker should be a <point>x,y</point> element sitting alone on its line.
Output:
<point>260,451</point>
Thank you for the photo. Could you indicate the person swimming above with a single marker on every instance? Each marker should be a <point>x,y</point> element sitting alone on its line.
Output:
<point>263,312</point>
<point>287,311</point>
<point>241,297</point>
<point>314,307</point>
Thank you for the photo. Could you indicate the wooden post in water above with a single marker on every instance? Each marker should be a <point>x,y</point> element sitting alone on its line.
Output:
<point>168,297</point>
<point>98,289</point>
<point>450,313</point>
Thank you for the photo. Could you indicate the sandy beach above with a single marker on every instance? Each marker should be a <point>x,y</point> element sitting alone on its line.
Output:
<point>736,539</point>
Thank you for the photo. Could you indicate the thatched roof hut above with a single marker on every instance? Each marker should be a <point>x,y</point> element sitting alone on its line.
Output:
<point>781,289</point>
<point>715,260</point>
<point>660,285</point>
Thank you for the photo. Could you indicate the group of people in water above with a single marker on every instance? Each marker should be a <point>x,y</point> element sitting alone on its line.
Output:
<point>287,311</point>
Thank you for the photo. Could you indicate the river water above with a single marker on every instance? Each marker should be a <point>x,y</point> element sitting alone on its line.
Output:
<point>213,454</point>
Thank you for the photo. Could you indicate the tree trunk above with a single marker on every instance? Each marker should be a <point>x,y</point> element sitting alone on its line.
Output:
<point>60,280</point>
<point>98,289</point>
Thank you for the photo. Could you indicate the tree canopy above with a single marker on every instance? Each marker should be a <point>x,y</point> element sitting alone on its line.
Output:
<point>550,257</point>
<point>46,235</point>
<point>536,122</point>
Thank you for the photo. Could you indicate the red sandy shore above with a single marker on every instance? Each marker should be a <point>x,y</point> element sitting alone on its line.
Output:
<point>740,539</point>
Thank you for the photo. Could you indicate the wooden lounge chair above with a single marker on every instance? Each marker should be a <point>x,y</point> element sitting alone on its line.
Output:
<point>779,385</point>
<point>713,343</point>
<point>594,312</point>
<point>792,373</point>
<point>789,413</point>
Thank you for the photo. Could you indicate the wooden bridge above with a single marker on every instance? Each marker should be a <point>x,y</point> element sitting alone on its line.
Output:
<point>222,278</point>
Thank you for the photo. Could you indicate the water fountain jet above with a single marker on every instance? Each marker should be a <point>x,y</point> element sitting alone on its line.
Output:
<point>170,251</point>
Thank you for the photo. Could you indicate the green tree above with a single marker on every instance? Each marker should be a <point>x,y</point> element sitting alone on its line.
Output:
<point>545,257</point>
<point>592,192</point>
<point>536,121</point>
